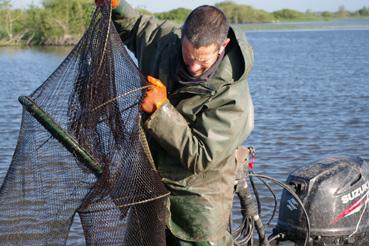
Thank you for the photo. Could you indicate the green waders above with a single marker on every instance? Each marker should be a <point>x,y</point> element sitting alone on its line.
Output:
<point>174,241</point>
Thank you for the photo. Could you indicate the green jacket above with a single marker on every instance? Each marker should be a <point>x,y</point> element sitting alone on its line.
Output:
<point>193,137</point>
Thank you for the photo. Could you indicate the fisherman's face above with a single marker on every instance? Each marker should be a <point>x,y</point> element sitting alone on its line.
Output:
<point>199,60</point>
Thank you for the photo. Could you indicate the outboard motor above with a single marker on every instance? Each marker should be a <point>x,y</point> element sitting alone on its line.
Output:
<point>334,192</point>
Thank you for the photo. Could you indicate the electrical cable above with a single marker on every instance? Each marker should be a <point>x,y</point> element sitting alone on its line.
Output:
<point>256,194</point>
<point>274,198</point>
<point>294,196</point>
<point>245,231</point>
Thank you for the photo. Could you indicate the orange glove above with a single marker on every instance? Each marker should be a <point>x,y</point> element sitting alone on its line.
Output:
<point>114,3</point>
<point>156,95</point>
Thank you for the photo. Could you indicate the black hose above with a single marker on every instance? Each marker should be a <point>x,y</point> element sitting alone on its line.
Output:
<point>274,198</point>
<point>244,233</point>
<point>283,185</point>
<point>256,193</point>
<point>261,231</point>
<point>251,212</point>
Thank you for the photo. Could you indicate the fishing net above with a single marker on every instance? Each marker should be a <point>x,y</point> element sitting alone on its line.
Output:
<point>81,149</point>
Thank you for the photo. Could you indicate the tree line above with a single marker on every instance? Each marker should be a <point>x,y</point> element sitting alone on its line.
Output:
<point>55,22</point>
<point>58,22</point>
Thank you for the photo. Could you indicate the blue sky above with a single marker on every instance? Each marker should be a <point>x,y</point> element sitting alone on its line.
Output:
<point>268,5</point>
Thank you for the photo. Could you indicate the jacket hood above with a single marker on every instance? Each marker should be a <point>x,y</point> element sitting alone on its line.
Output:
<point>235,66</point>
<point>238,60</point>
<point>241,46</point>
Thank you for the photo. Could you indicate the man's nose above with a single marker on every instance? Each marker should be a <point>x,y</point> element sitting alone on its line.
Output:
<point>193,66</point>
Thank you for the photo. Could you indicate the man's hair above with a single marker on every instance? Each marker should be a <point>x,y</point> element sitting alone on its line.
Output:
<point>206,25</point>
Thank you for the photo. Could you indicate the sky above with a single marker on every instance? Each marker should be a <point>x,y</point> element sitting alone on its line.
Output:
<point>268,5</point>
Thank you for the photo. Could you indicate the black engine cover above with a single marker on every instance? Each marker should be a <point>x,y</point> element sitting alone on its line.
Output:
<point>334,192</point>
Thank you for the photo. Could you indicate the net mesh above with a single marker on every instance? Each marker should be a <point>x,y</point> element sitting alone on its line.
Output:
<point>94,96</point>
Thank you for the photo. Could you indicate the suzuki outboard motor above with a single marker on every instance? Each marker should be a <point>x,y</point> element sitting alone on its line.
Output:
<point>334,192</point>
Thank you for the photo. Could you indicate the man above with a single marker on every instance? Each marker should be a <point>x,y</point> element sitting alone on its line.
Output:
<point>200,110</point>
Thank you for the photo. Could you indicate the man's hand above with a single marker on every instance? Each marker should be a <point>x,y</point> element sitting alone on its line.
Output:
<point>156,95</point>
<point>114,3</point>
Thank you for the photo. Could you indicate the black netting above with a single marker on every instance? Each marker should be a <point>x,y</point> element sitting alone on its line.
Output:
<point>94,96</point>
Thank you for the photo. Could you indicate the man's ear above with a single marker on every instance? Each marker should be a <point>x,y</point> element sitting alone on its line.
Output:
<point>224,45</point>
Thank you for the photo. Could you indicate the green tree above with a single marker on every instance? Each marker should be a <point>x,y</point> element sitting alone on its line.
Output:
<point>11,24</point>
<point>342,12</point>
<point>55,22</point>
<point>64,21</point>
<point>363,11</point>
<point>327,14</point>
<point>241,13</point>
<point>286,14</point>
<point>7,19</point>
<point>35,26</point>
<point>178,15</point>
<point>4,16</point>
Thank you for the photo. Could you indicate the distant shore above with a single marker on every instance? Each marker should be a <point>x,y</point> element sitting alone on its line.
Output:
<point>333,24</point>
<point>62,23</point>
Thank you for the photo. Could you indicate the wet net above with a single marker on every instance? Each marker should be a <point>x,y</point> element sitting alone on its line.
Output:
<point>81,149</point>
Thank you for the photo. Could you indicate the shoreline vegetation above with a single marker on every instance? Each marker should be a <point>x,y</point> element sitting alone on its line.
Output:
<point>62,23</point>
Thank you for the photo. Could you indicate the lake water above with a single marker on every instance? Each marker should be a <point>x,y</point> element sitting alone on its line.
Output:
<point>310,89</point>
